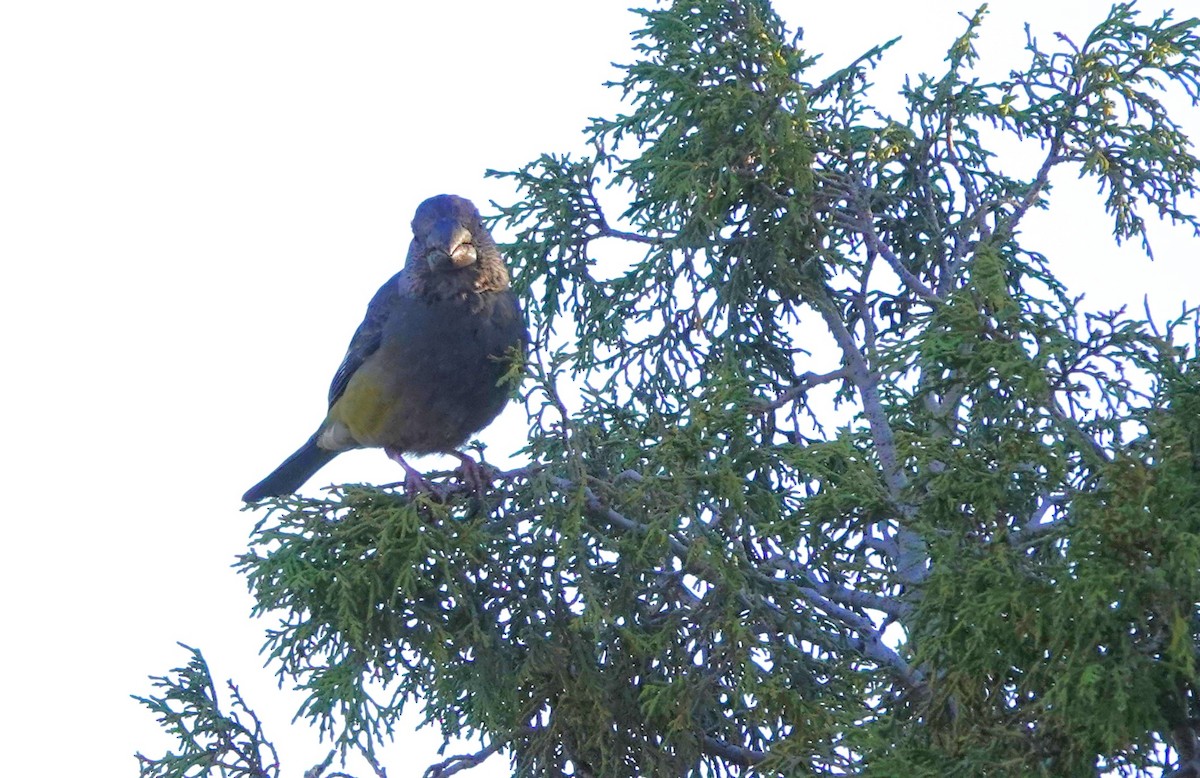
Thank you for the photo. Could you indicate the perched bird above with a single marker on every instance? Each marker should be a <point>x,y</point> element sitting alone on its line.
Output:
<point>425,369</point>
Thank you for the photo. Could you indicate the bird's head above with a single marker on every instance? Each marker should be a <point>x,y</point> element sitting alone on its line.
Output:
<point>448,233</point>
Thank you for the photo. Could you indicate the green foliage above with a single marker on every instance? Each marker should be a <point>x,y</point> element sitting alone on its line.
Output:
<point>211,743</point>
<point>968,544</point>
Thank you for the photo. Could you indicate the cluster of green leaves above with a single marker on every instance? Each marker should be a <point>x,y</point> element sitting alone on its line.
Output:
<point>964,545</point>
<point>210,741</point>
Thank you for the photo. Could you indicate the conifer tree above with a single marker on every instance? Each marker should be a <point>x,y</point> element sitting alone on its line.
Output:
<point>827,473</point>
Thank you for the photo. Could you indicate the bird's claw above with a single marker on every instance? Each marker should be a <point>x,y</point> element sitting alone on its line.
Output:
<point>414,482</point>
<point>476,475</point>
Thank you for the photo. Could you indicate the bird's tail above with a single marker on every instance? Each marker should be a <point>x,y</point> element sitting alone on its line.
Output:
<point>294,471</point>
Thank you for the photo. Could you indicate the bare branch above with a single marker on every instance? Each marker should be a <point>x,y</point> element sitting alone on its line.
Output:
<point>807,381</point>
<point>912,564</point>
<point>869,642</point>
<point>317,770</point>
<point>738,755</point>
<point>607,231</point>
<point>1036,527</point>
<point>914,284</point>
<point>853,597</point>
<point>456,764</point>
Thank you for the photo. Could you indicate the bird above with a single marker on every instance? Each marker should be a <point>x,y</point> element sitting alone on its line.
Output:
<point>431,364</point>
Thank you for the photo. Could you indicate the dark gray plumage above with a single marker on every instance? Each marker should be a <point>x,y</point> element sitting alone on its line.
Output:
<point>424,369</point>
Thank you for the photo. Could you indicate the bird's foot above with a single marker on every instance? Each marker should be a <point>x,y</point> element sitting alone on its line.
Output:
<point>414,482</point>
<point>476,475</point>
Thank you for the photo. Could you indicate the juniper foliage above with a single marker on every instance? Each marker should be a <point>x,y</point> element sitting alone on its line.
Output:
<point>840,478</point>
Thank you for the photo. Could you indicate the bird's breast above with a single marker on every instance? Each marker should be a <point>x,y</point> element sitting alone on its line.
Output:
<point>435,378</point>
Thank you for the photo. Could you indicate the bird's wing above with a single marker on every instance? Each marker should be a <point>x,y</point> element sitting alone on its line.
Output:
<point>369,334</point>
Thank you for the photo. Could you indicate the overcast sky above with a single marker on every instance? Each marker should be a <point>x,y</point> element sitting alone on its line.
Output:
<point>196,202</point>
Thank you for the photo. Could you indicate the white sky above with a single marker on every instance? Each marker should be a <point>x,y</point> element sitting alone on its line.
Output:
<point>196,202</point>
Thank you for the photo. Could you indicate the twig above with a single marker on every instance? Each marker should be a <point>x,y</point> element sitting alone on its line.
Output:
<point>594,504</point>
<point>318,770</point>
<point>853,597</point>
<point>607,231</point>
<point>861,219</point>
<point>914,284</point>
<point>807,381</point>
<point>461,762</point>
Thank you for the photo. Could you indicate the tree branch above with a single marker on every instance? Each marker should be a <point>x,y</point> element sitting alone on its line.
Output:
<point>455,764</point>
<point>912,562</point>
<point>807,381</point>
<point>827,590</point>
<point>745,757</point>
<point>1036,527</point>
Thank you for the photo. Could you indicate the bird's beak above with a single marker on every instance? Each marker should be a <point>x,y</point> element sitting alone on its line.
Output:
<point>449,245</point>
